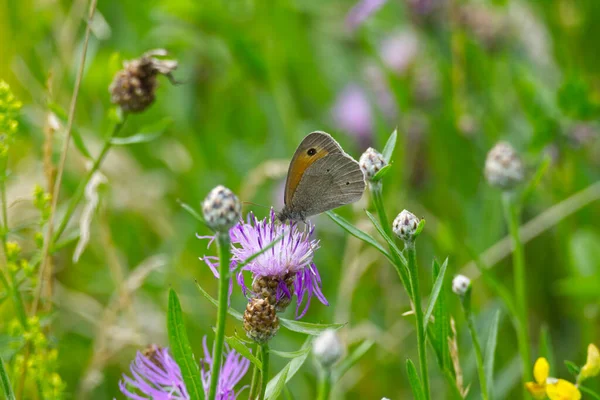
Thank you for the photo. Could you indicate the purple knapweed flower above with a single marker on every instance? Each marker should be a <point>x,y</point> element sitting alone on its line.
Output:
<point>352,113</point>
<point>155,375</point>
<point>286,269</point>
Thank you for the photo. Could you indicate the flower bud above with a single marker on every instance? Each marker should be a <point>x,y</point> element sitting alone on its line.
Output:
<point>222,209</point>
<point>503,167</point>
<point>134,87</point>
<point>405,226</point>
<point>592,365</point>
<point>461,285</point>
<point>260,320</point>
<point>371,162</point>
<point>327,348</point>
<point>13,251</point>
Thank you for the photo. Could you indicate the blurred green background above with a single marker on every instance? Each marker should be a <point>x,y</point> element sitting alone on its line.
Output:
<point>453,76</point>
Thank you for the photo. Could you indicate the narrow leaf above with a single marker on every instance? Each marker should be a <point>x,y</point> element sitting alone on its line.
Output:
<point>290,354</point>
<point>546,346</point>
<point>352,359</point>
<point>75,134</point>
<point>241,348</point>
<point>181,349</point>
<point>413,379</point>
<point>235,314</point>
<point>276,385</point>
<point>135,139</point>
<point>388,150</point>
<point>191,211</point>
<point>287,373</point>
<point>572,368</point>
<point>590,392</point>
<point>357,233</point>
<point>307,328</point>
<point>441,326</point>
<point>385,236</point>
<point>435,292</point>
<point>6,386</point>
<point>381,173</point>
<point>490,351</point>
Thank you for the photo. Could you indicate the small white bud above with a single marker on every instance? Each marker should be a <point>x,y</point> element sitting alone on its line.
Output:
<point>327,348</point>
<point>222,209</point>
<point>461,285</point>
<point>503,167</point>
<point>405,225</point>
<point>371,162</point>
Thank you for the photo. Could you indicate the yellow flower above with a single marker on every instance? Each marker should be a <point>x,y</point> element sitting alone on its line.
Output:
<point>592,365</point>
<point>541,370</point>
<point>560,389</point>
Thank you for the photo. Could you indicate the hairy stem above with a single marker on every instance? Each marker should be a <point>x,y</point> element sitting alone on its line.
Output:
<point>223,244</point>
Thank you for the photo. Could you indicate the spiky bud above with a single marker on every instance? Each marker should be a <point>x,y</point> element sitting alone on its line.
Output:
<point>266,288</point>
<point>327,348</point>
<point>503,167</point>
<point>406,226</point>
<point>222,209</point>
<point>260,320</point>
<point>371,162</point>
<point>461,285</point>
<point>134,87</point>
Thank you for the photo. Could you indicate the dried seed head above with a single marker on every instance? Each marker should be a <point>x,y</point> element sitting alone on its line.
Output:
<point>461,285</point>
<point>260,320</point>
<point>266,287</point>
<point>222,209</point>
<point>327,348</point>
<point>503,167</point>
<point>405,225</point>
<point>371,162</point>
<point>134,87</point>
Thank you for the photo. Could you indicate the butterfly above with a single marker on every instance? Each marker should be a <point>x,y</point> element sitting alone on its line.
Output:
<point>321,177</point>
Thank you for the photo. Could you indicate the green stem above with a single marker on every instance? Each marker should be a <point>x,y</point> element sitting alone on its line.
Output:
<point>76,198</point>
<point>377,194</point>
<point>511,211</point>
<point>325,384</point>
<point>265,370</point>
<point>254,385</point>
<point>421,338</point>
<point>223,244</point>
<point>478,354</point>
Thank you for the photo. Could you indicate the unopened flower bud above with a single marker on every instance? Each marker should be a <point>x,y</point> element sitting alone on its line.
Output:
<point>13,250</point>
<point>461,285</point>
<point>592,365</point>
<point>260,320</point>
<point>327,348</point>
<point>134,87</point>
<point>371,162</point>
<point>503,167</point>
<point>405,226</point>
<point>222,209</point>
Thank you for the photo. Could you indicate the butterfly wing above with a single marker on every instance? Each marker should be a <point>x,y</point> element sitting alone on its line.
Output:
<point>313,147</point>
<point>328,183</point>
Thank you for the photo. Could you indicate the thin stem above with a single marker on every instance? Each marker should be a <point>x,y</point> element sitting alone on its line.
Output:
<point>421,338</point>
<point>511,211</point>
<point>478,355</point>
<point>255,384</point>
<point>325,384</point>
<point>377,194</point>
<point>223,244</point>
<point>265,370</point>
<point>63,158</point>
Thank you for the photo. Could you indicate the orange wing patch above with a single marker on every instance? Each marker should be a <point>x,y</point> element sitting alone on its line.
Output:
<point>297,168</point>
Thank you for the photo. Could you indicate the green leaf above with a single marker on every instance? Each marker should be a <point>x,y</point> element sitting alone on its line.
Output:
<point>435,292</point>
<point>388,150</point>
<point>181,349</point>
<point>357,233</point>
<point>75,134</point>
<point>572,367</point>
<point>490,351</point>
<point>441,326</point>
<point>385,236</point>
<point>6,386</point>
<point>413,379</point>
<point>546,346</point>
<point>147,133</point>
<point>536,179</point>
<point>235,314</point>
<point>381,173</point>
<point>191,211</point>
<point>290,354</point>
<point>276,384</point>
<point>241,348</point>
<point>307,328</point>
<point>352,359</point>
<point>590,392</point>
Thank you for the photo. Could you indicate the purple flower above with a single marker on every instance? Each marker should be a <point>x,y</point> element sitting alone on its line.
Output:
<point>352,113</point>
<point>361,11</point>
<point>286,269</point>
<point>155,375</point>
